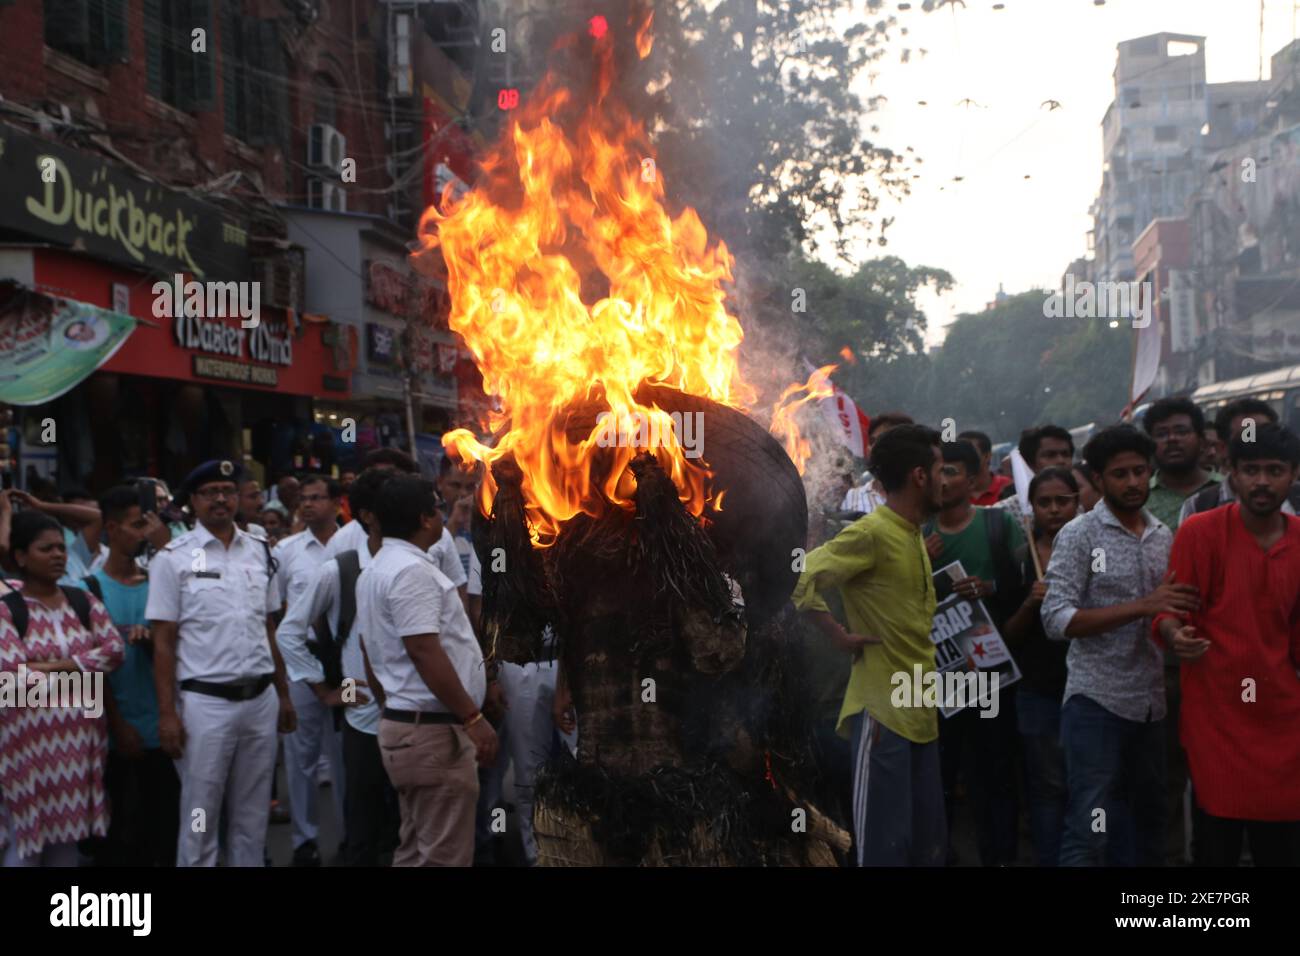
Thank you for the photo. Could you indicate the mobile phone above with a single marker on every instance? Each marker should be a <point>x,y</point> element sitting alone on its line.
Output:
<point>148,494</point>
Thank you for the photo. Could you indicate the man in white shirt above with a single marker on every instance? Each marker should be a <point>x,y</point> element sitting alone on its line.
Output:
<point>300,556</point>
<point>423,655</point>
<point>370,803</point>
<point>353,535</point>
<point>210,601</point>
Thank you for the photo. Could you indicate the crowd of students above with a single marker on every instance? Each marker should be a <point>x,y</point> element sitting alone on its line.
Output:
<point>1149,591</point>
<point>1159,646</point>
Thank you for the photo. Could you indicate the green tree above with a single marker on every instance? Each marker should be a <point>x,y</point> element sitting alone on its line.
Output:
<point>1011,367</point>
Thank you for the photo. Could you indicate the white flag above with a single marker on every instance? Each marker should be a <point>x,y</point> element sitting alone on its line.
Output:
<point>1147,362</point>
<point>846,421</point>
<point>1022,474</point>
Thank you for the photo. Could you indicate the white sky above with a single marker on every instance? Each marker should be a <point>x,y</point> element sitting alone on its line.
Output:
<point>996,226</point>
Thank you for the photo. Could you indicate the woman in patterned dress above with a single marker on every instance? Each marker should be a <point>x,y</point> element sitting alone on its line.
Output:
<point>52,758</point>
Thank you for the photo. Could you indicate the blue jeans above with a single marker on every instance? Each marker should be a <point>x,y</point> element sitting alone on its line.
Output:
<point>1039,720</point>
<point>1115,770</point>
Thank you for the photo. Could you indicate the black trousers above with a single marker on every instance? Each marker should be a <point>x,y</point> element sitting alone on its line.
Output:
<point>1219,840</point>
<point>371,817</point>
<point>144,796</point>
<point>982,752</point>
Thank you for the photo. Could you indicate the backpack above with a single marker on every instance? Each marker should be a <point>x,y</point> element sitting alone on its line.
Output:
<point>1006,562</point>
<point>77,599</point>
<point>328,647</point>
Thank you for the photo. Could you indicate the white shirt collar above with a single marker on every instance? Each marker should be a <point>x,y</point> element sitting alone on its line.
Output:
<point>401,544</point>
<point>206,536</point>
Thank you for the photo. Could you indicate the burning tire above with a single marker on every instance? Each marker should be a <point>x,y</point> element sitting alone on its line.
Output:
<point>764,515</point>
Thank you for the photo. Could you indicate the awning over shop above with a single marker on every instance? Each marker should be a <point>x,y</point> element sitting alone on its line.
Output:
<point>49,345</point>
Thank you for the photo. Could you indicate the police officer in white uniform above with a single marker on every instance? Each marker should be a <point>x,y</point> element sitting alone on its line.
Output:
<point>211,594</point>
<point>299,557</point>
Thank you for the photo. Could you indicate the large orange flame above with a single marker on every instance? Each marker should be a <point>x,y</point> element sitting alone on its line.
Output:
<point>571,284</point>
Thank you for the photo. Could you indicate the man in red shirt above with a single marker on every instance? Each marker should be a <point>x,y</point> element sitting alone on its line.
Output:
<point>986,487</point>
<point>1240,657</point>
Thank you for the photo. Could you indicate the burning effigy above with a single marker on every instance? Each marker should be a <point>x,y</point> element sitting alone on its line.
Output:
<point>630,499</point>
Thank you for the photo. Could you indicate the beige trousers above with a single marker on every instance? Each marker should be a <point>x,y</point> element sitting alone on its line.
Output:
<point>433,769</point>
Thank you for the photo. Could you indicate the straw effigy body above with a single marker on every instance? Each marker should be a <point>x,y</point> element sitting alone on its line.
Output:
<point>693,727</point>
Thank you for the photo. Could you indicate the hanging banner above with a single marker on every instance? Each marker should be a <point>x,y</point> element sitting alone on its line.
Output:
<point>48,345</point>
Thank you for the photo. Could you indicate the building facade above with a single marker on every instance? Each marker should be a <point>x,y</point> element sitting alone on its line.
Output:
<point>1200,199</point>
<point>152,143</point>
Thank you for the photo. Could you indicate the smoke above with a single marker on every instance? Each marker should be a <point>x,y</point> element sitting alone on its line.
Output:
<point>772,358</point>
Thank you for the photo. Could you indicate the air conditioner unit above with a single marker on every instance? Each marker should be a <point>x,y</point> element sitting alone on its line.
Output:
<point>402,77</point>
<point>282,280</point>
<point>322,194</point>
<point>326,147</point>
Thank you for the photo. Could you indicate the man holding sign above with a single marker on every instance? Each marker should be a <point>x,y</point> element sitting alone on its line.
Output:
<point>986,542</point>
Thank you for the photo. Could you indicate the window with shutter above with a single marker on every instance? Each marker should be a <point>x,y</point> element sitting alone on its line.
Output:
<point>175,72</point>
<point>267,88</point>
<point>67,28</point>
<point>232,58</point>
<point>116,49</point>
<point>254,88</point>
<point>153,48</point>
<point>194,69</point>
<point>93,31</point>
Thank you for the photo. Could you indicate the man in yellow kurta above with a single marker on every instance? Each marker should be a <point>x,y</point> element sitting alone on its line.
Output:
<point>882,570</point>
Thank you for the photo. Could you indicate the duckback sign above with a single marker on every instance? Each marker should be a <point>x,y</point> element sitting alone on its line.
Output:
<point>75,199</point>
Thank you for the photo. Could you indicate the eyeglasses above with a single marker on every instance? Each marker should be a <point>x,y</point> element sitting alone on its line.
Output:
<point>212,494</point>
<point>1061,501</point>
<point>1164,434</point>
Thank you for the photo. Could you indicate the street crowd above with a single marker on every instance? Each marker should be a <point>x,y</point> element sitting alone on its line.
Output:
<point>1149,590</point>
<point>226,623</point>
<point>1148,587</point>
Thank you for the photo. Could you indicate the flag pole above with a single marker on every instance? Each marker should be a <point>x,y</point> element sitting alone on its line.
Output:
<point>1127,413</point>
<point>1027,523</point>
